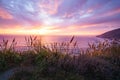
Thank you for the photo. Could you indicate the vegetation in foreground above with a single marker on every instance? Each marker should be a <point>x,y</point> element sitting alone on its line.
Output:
<point>57,61</point>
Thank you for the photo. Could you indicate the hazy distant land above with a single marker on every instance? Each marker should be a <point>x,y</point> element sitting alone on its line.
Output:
<point>114,34</point>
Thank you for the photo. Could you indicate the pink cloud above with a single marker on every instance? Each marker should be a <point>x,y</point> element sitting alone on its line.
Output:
<point>51,7</point>
<point>4,14</point>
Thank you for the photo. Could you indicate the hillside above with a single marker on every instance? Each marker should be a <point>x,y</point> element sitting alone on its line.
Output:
<point>114,34</point>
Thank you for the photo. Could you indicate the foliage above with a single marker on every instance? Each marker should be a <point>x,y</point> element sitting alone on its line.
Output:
<point>57,61</point>
<point>8,56</point>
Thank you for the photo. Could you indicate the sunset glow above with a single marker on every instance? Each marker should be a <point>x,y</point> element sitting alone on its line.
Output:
<point>58,17</point>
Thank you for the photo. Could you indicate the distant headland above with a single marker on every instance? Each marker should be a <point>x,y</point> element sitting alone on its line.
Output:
<point>113,34</point>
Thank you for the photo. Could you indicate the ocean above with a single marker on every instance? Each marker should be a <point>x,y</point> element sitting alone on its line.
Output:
<point>82,41</point>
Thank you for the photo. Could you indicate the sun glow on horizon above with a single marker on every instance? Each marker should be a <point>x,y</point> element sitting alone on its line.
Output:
<point>45,31</point>
<point>22,31</point>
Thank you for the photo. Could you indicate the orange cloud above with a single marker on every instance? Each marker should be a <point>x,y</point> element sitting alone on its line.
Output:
<point>4,14</point>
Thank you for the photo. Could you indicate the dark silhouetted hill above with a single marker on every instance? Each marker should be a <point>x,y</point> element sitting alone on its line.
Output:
<point>114,34</point>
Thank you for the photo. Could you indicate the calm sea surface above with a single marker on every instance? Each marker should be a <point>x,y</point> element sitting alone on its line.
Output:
<point>82,41</point>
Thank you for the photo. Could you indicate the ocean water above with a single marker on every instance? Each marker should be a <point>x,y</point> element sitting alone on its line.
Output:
<point>82,41</point>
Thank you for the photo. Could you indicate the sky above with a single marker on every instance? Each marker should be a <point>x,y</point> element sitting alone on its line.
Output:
<point>59,17</point>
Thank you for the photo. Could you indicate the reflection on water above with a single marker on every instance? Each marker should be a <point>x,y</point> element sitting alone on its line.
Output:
<point>82,41</point>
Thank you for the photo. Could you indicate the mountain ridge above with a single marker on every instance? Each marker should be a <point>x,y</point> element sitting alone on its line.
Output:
<point>113,34</point>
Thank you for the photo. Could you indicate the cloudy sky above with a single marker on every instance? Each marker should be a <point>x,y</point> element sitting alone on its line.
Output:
<point>59,17</point>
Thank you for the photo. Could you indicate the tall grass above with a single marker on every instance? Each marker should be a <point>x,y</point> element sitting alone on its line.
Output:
<point>100,61</point>
<point>8,55</point>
